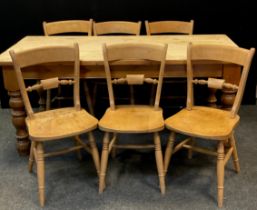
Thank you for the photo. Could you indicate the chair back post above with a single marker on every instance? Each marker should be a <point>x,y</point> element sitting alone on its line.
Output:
<point>148,33</point>
<point>139,28</point>
<point>192,27</point>
<point>90,31</point>
<point>76,77</point>
<point>242,83</point>
<point>108,77</point>
<point>45,28</point>
<point>190,87</point>
<point>160,78</point>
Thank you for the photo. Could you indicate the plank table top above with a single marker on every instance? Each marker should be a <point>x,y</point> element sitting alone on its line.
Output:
<point>91,46</point>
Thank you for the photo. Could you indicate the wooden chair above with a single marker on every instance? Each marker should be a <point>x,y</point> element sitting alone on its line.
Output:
<point>132,118</point>
<point>168,27</point>
<point>114,28</point>
<point>206,122</point>
<point>117,27</point>
<point>54,124</point>
<point>68,27</point>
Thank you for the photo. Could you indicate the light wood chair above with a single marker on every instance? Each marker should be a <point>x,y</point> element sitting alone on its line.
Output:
<point>56,124</point>
<point>69,27</point>
<point>206,122</point>
<point>114,28</point>
<point>117,27</point>
<point>168,27</point>
<point>119,119</point>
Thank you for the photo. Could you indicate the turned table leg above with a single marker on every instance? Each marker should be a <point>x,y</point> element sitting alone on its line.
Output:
<point>231,74</point>
<point>212,99</point>
<point>18,120</point>
<point>228,98</point>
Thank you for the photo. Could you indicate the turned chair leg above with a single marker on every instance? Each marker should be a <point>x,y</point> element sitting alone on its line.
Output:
<point>31,156</point>
<point>234,154</point>
<point>114,150</point>
<point>220,173</point>
<point>41,172</point>
<point>159,161</point>
<point>94,152</point>
<point>168,151</point>
<point>104,162</point>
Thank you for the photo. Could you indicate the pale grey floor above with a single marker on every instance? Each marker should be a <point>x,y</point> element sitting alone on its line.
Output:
<point>132,181</point>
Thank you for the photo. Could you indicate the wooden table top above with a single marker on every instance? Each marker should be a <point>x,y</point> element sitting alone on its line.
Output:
<point>91,46</point>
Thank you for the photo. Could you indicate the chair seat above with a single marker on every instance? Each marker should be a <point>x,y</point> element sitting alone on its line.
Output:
<point>203,122</point>
<point>59,123</point>
<point>132,119</point>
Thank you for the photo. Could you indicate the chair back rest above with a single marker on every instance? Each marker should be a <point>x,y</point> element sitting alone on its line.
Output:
<point>68,26</point>
<point>169,27</point>
<point>46,55</point>
<point>225,55</point>
<point>134,54</point>
<point>117,27</point>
